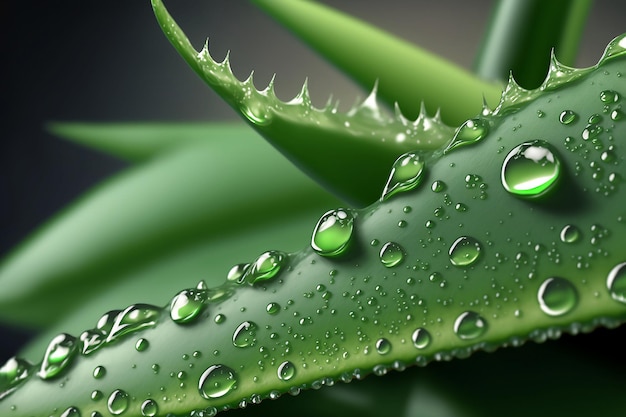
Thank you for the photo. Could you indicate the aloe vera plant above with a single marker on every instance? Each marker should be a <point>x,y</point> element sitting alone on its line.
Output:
<point>500,229</point>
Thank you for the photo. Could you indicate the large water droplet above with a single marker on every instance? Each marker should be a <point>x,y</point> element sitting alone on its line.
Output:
<point>245,334</point>
<point>90,340</point>
<point>609,96</point>
<point>14,371</point>
<point>616,282</point>
<point>149,408</point>
<point>465,251</point>
<point>237,272</point>
<point>118,402</point>
<point>569,234</point>
<point>421,338</point>
<point>105,323</point>
<point>265,267</point>
<point>531,169</point>
<point>406,174</point>
<point>286,371</point>
<point>186,305</point>
<point>59,353</point>
<point>391,254</point>
<point>469,325</point>
<point>332,233</point>
<point>470,132</point>
<point>133,318</point>
<point>557,296</point>
<point>217,381</point>
<point>383,346</point>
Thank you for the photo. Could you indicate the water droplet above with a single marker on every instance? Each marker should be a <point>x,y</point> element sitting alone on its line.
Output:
<point>91,340</point>
<point>133,318</point>
<point>96,395</point>
<point>469,325</point>
<point>186,305</point>
<point>383,346</point>
<point>609,96</point>
<point>615,48</point>
<point>149,408</point>
<point>244,335</point>
<point>406,174</point>
<point>217,381</point>
<point>118,402</point>
<point>421,338</point>
<point>470,132</point>
<point>567,117</point>
<point>272,308</point>
<point>332,233</point>
<point>71,412</point>
<point>531,169</point>
<point>464,251</point>
<point>237,273</point>
<point>99,372</point>
<point>265,267</point>
<point>617,115</point>
<point>438,186</point>
<point>59,354</point>
<point>286,371</point>
<point>594,119</point>
<point>557,296</point>
<point>540,114</point>
<point>220,318</point>
<point>105,323</point>
<point>591,131</point>
<point>616,282</point>
<point>141,345</point>
<point>569,234</point>
<point>391,254</point>
<point>14,371</point>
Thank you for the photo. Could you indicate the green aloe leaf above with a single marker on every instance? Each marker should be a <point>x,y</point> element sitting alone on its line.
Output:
<point>406,74</point>
<point>214,188</point>
<point>348,154</point>
<point>514,233</point>
<point>141,141</point>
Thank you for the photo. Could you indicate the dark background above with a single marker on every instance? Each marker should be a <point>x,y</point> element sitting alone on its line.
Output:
<point>80,60</point>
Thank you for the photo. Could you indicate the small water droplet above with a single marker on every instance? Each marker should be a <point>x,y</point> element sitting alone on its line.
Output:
<point>118,402</point>
<point>59,354</point>
<point>391,254</point>
<point>465,251</point>
<point>99,372</point>
<point>332,234</point>
<point>421,338</point>
<point>244,335</point>
<point>591,131</point>
<point>540,114</point>
<point>71,412</point>
<point>272,308</point>
<point>469,325</point>
<point>265,267</point>
<point>406,174</point>
<point>616,282</point>
<point>531,169</point>
<point>149,408</point>
<point>286,371</point>
<point>557,296</point>
<point>609,96</point>
<point>237,272</point>
<point>217,381</point>
<point>569,234</point>
<point>96,395</point>
<point>383,346</point>
<point>186,305</point>
<point>438,186</point>
<point>567,117</point>
<point>617,115</point>
<point>470,132</point>
<point>141,345</point>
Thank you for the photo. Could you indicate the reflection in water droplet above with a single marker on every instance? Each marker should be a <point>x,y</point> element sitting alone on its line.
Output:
<point>616,282</point>
<point>141,345</point>
<point>567,117</point>
<point>469,325</point>
<point>149,408</point>
<point>244,335</point>
<point>186,305</point>
<point>421,338</point>
<point>118,402</point>
<point>286,371</point>
<point>59,354</point>
<point>332,233</point>
<point>217,381</point>
<point>569,234</point>
<point>383,346</point>
<point>406,174</point>
<point>265,267</point>
<point>557,296</point>
<point>617,115</point>
<point>91,340</point>
<point>133,318</point>
<point>465,251</point>
<point>272,308</point>
<point>470,132</point>
<point>438,186</point>
<point>531,169</point>
<point>391,254</point>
